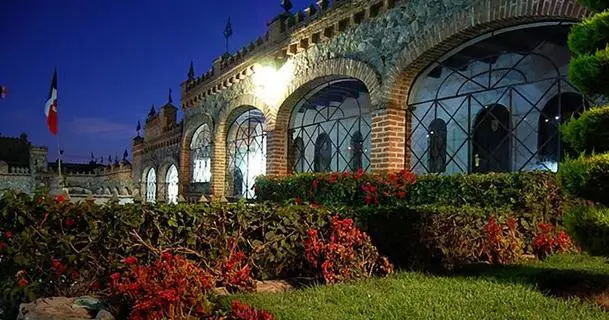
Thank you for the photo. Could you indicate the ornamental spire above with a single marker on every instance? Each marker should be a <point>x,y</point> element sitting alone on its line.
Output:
<point>191,71</point>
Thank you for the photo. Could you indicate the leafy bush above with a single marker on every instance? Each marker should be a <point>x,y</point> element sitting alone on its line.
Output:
<point>587,177</point>
<point>548,241</point>
<point>595,5</point>
<point>356,188</point>
<point>342,252</point>
<point>590,35</point>
<point>531,192</point>
<point>590,72</point>
<point>589,133</point>
<point>428,236</point>
<point>51,248</point>
<point>589,226</point>
<point>173,288</point>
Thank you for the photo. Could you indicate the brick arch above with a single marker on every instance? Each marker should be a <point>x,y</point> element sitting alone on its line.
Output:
<point>223,120</point>
<point>161,175</point>
<point>190,128</point>
<point>468,24</point>
<point>277,162</point>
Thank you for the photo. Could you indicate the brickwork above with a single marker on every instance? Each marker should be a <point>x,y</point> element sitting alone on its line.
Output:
<point>185,167</point>
<point>387,138</point>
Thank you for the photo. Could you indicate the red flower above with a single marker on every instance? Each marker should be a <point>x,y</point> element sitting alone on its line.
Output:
<point>129,260</point>
<point>165,256</point>
<point>68,222</point>
<point>8,234</point>
<point>2,246</point>
<point>115,276</point>
<point>95,285</point>
<point>315,184</point>
<point>22,282</point>
<point>60,198</point>
<point>74,275</point>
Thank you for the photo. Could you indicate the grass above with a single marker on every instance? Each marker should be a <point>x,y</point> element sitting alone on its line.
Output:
<point>511,292</point>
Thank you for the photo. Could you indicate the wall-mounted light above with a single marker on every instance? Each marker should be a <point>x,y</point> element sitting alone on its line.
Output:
<point>272,80</point>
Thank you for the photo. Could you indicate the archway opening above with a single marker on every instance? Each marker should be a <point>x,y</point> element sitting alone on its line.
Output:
<point>482,106</point>
<point>172,181</point>
<point>201,155</point>
<point>330,127</point>
<point>246,151</point>
<point>151,186</point>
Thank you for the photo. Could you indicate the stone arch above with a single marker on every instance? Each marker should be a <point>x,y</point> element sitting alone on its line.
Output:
<point>167,162</point>
<point>311,78</point>
<point>463,26</point>
<point>219,151</point>
<point>190,128</point>
<point>323,72</point>
<point>144,180</point>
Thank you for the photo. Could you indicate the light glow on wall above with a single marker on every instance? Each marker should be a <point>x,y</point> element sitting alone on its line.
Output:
<point>271,83</point>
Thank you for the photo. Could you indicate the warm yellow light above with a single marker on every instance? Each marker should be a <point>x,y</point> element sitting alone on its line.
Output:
<point>270,83</point>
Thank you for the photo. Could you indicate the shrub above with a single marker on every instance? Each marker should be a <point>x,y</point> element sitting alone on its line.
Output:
<point>428,236</point>
<point>587,177</point>
<point>590,73</point>
<point>548,241</point>
<point>589,133</point>
<point>532,192</point>
<point>50,248</point>
<point>356,188</point>
<point>595,5</point>
<point>590,35</point>
<point>342,252</point>
<point>589,226</point>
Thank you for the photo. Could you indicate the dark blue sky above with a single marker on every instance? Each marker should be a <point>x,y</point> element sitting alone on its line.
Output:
<point>114,60</point>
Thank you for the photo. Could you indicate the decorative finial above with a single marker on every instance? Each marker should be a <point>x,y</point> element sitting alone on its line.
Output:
<point>139,127</point>
<point>125,155</point>
<point>286,5</point>
<point>191,71</point>
<point>109,159</point>
<point>152,111</point>
<point>228,32</point>
<point>170,99</point>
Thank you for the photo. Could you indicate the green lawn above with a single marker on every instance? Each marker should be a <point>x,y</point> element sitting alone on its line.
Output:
<point>512,292</point>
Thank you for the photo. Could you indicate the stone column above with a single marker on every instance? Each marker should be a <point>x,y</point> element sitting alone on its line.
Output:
<point>277,152</point>
<point>389,127</point>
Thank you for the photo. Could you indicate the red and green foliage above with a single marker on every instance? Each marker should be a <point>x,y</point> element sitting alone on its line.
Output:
<point>503,243</point>
<point>549,240</point>
<point>357,188</point>
<point>175,288</point>
<point>342,252</point>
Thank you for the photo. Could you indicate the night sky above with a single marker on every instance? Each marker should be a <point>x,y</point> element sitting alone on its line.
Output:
<point>114,60</point>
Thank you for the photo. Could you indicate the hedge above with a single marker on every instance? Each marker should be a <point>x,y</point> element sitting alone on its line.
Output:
<point>531,192</point>
<point>589,133</point>
<point>589,226</point>
<point>587,177</point>
<point>66,249</point>
<point>590,35</point>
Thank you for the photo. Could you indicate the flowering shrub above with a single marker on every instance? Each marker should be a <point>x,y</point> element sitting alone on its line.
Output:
<point>503,242</point>
<point>343,252</point>
<point>172,288</point>
<point>548,240</point>
<point>233,271</point>
<point>357,188</point>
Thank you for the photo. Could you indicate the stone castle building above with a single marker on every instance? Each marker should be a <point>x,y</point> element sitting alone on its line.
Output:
<point>25,168</point>
<point>442,87</point>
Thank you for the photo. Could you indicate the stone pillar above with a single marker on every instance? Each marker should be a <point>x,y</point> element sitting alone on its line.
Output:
<point>389,127</point>
<point>277,152</point>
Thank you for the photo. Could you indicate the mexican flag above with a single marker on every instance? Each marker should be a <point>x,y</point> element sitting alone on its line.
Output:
<point>50,108</point>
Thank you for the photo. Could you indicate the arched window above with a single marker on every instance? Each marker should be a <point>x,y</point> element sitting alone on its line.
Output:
<point>491,141</point>
<point>495,93</point>
<point>333,121</point>
<point>201,155</point>
<point>246,146</point>
<point>297,157</point>
<point>558,110</point>
<point>151,186</point>
<point>172,181</point>
<point>323,153</point>
<point>437,146</point>
<point>357,151</point>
